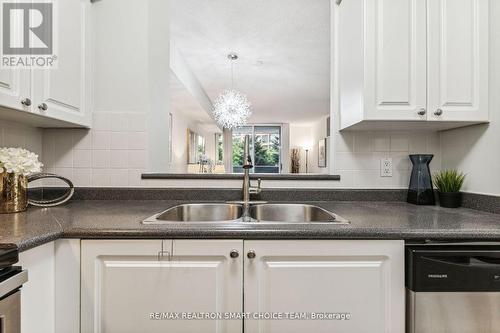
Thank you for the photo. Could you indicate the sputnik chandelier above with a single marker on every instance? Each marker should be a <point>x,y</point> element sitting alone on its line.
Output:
<point>232,108</point>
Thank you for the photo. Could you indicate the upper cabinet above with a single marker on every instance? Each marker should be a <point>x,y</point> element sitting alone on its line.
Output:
<point>405,63</point>
<point>458,60</point>
<point>60,96</point>
<point>15,88</point>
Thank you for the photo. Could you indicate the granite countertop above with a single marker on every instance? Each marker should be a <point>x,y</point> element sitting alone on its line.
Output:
<point>369,220</point>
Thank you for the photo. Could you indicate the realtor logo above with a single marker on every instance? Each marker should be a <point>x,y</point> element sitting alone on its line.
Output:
<point>28,34</point>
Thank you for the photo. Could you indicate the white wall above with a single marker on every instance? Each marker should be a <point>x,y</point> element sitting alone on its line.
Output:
<point>308,135</point>
<point>319,133</point>
<point>476,150</point>
<point>300,137</point>
<point>180,124</point>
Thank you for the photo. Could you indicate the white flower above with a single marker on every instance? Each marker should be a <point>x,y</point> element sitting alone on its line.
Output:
<point>19,160</point>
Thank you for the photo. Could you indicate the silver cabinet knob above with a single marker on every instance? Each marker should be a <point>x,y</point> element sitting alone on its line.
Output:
<point>234,254</point>
<point>43,107</point>
<point>251,254</point>
<point>438,112</point>
<point>26,102</point>
<point>422,112</point>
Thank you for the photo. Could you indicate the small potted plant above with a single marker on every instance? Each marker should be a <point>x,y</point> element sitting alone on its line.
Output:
<point>448,184</point>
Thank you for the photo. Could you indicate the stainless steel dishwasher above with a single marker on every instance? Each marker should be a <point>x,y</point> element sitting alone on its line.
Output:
<point>453,288</point>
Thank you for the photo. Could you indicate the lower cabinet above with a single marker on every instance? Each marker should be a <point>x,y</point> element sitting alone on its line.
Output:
<point>131,286</point>
<point>356,286</point>
<point>275,286</point>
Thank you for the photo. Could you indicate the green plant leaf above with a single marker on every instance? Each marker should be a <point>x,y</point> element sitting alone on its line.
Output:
<point>449,181</point>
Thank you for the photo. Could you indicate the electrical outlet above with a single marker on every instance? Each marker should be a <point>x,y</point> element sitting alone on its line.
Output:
<point>386,167</point>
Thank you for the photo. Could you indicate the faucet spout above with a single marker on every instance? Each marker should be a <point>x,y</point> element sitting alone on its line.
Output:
<point>247,158</point>
<point>247,165</point>
<point>247,188</point>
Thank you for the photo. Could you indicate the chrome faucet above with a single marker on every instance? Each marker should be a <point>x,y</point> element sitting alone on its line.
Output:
<point>247,165</point>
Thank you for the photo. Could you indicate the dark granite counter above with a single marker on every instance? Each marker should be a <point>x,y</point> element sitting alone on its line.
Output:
<point>369,220</point>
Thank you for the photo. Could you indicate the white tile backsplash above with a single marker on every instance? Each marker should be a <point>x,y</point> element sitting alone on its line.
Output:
<point>82,158</point>
<point>101,159</point>
<point>362,142</point>
<point>14,137</point>
<point>101,140</point>
<point>112,153</point>
<point>400,142</point>
<point>82,177</point>
<point>119,122</point>
<point>101,177</point>
<point>344,142</point>
<point>358,154</point>
<point>137,123</point>
<point>101,121</point>
<point>119,140</point>
<point>119,178</point>
<point>137,159</point>
<point>381,142</point>
<point>18,135</point>
<point>82,139</point>
<point>119,159</point>
<point>137,140</point>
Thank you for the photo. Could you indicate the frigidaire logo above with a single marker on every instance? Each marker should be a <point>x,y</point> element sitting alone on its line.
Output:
<point>437,276</point>
<point>28,34</point>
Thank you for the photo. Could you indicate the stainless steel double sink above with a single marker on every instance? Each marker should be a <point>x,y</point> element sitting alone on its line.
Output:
<point>233,212</point>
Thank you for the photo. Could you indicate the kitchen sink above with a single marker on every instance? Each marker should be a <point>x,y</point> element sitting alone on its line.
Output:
<point>233,212</point>
<point>293,213</point>
<point>202,212</point>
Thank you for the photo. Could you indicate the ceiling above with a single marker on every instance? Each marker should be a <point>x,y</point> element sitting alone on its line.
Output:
<point>284,50</point>
<point>182,100</point>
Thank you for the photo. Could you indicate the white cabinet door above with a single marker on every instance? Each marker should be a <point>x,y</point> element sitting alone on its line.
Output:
<point>38,294</point>
<point>126,288</point>
<point>458,59</point>
<point>395,59</point>
<point>65,90</point>
<point>364,279</point>
<point>208,279</point>
<point>14,88</point>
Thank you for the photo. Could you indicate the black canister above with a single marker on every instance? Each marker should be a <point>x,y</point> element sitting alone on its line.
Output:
<point>421,191</point>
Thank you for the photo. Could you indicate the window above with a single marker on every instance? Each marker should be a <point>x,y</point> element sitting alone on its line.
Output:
<point>265,148</point>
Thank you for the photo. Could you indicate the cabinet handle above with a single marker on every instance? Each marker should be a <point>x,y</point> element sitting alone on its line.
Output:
<point>43,107</point>
<point>164,254</point>
<point>234,254</point>
<point>438,112</point>
<point>422,112</point>
<point>26,102</point>
<point>251,254</point>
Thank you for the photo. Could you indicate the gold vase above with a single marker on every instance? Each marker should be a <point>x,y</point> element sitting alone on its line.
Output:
<point>13,193</point>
